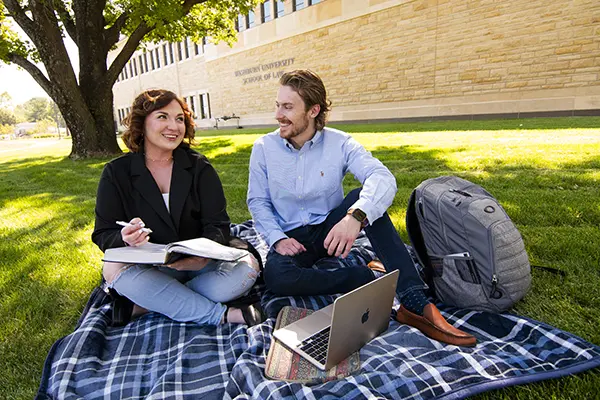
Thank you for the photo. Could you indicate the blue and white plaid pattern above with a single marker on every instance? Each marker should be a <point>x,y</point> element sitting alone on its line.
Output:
<point>157,358</point>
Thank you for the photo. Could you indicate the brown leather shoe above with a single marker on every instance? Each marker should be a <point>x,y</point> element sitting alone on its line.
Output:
<point>377,265</point>
<point>433,324</point>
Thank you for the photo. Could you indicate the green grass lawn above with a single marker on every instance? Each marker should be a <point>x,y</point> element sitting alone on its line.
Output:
<point>545,172</point>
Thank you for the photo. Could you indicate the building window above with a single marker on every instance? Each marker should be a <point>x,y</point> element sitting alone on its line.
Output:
<point>299,4</point>
<point>311,2</point>
<point>191,102</point>
<point>130,69</point>
<point>171,53</point>
<point>204,106</point>
<point>152,65</point>
<point>201,47</point>
<point>241,22</point>
<point>186,48</point>
<point>146,62</point>
<point>279,9</point>
<point>251,19</point>
<point>179,51</point>
<point>165,55</point>
<point>157,57</point>
<point>265,11</point>
<point>141,64</point>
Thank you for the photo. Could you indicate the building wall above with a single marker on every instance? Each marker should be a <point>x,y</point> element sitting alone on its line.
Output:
<point>404,59</point>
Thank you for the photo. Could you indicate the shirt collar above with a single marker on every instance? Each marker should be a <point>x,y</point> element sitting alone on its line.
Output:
<point>315,140</point>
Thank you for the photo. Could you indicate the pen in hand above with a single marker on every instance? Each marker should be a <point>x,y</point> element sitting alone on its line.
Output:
<point>123,223</point>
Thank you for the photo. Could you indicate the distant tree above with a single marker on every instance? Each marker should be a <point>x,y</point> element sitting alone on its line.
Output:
<point>7,117</point>
<point>37,109</point>
<point>6,129</point>
<point>20,112</point>
<point>5,100</point>
<point>44,126</point>
<point>86,102</point>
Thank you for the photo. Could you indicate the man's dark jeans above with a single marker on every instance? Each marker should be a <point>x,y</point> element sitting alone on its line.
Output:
<point>295,275</point>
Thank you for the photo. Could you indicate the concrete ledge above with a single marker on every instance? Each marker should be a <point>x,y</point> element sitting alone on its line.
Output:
<point>516,115</point>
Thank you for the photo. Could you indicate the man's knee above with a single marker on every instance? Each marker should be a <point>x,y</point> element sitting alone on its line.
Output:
<point>280,274</point>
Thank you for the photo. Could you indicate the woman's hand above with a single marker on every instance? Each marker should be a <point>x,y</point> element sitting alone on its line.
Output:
<point>189,264</point>
<point>133,235</point>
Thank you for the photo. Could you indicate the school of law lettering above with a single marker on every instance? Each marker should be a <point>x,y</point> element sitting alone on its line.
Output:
<point>257,76</point>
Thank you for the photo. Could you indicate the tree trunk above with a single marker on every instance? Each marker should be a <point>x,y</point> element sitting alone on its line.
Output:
<point>94,85</point>
<point>86,105</point>
<point>89,116</point>
<point>91,137</point>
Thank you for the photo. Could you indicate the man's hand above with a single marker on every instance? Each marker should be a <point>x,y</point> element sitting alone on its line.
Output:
<point>189,264</point>
<point>289,247</point>
<point>341,237</point>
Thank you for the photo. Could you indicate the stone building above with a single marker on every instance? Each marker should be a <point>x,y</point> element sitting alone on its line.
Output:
<point>388,60</point>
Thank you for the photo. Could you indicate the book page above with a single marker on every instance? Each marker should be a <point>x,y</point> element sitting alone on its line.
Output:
<point>204,247</point>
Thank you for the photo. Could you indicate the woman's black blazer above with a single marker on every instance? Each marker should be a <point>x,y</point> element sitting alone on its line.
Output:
<point>128,190</point>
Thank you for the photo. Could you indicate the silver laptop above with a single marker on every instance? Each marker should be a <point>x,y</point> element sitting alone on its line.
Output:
<point>331,334</point>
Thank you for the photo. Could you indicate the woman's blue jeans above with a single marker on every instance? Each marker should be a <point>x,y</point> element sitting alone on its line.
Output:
<point>314,272</point>
<point>194,296</point>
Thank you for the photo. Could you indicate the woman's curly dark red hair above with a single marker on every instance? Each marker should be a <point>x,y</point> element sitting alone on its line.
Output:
<point>143,105</point>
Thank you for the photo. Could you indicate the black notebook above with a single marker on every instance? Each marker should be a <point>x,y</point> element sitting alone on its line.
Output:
<point>152,253</point>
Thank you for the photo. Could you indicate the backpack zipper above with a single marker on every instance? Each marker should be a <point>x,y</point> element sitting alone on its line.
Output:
<point>494,290</point>
<point>494,284</point>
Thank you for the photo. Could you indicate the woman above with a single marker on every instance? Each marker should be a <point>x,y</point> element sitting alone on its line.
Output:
<point>164,185</point>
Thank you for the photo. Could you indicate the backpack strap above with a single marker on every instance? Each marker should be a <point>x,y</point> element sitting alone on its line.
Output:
<point>416,239</point>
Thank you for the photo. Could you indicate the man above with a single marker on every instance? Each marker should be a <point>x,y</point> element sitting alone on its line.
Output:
<point>296,199</point>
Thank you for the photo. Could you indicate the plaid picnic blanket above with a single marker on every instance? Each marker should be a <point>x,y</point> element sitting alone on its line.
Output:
<point>157,358</point>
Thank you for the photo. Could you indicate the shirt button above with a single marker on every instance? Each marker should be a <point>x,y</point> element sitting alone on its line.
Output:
<point>299,177</point>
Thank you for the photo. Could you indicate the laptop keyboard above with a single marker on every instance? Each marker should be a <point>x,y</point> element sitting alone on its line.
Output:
<point>316,345</point>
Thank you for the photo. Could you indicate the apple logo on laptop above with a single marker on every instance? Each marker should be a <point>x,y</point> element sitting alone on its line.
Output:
<point>365,316</point>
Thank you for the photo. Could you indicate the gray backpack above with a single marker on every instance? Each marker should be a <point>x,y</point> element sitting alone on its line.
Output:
<point>472,253</point>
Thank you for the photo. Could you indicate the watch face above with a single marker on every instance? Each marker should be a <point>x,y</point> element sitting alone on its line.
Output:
<point>359,214</point>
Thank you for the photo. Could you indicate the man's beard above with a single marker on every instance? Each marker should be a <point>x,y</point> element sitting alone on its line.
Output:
<point>296,129</point>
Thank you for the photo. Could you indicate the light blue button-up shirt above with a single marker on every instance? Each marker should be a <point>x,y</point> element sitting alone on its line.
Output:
<point>289,188</point>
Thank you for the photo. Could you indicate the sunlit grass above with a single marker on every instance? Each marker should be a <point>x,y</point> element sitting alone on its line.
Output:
<point>545,172</point>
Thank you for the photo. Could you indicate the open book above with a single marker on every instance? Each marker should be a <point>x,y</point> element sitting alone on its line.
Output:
<point>152,253</point>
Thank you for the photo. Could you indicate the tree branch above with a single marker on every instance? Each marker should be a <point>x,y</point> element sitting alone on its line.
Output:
<point>34,71</point>
<point>188,4</point>
<point>111,34</point>
<point>66,18</point>
<point>18,14</point>
<point>126,52</point>
<point>133,40</point>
